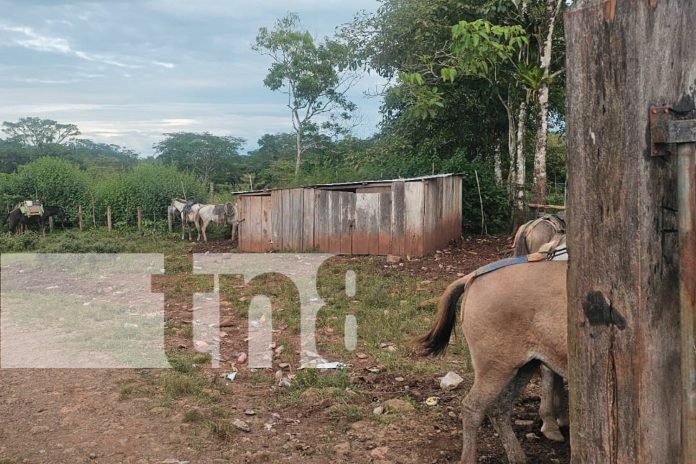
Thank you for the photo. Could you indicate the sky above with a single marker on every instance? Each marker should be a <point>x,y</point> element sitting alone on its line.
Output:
<point>127,71</point>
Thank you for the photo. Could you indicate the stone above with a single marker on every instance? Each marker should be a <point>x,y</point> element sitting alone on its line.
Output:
<point>241,359</point>
<point>524,423</point>
<point>250,412</point>
<point>532,436</point>
<point>342,449</point>
<point>378,411</point>
<point>379,452</point>
<point>397,405</point>
<point>393,259</point>
<point>451,381</point>
<point>227,322</point>
<point>241,425</point>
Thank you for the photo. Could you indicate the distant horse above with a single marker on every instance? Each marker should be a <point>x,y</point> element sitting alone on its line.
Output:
<point>221,214</point>
<point>531,236</point>
<point>188,212</point>
<point>54,212</point>
<point>18,222</point>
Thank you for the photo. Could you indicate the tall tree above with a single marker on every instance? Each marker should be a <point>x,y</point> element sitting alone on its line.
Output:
<point>37,132</point>
<point>312,75</point>
<point>210,157</point>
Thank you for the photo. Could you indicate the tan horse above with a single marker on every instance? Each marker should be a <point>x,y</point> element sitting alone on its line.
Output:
<point>542,235</point>
<point>513,319</point>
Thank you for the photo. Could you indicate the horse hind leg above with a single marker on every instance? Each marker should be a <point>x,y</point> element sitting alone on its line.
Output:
<point>501,411</point>
<point>483,394</point>
<point>547,408</point>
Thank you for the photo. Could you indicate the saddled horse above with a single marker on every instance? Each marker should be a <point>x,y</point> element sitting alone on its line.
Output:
<point>531,236</point>
<point>221,214</point>
<point>18,222</point>
<point>547,235</point>
<point>514,318</point>
<point>188,212</point>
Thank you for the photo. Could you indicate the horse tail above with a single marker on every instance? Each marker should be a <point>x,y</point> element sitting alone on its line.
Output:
<point>436,341</point>
<point>519,244</point>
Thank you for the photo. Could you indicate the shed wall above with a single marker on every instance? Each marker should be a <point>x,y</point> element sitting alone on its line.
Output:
<point>411,218</point>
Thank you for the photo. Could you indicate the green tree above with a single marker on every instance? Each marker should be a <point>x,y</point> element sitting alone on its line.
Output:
<point>312,75</point>
<point>210,157</point>
<point>37,132</point>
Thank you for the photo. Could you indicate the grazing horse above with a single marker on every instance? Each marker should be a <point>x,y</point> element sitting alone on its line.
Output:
<point>547,234</point>
<point>188,212</point>
<point>513,318</point>
<point>221,214</point>
<point>54,212</point>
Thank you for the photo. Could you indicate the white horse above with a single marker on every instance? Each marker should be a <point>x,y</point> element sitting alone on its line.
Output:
<point>188,211</point>
<point>221,214</point>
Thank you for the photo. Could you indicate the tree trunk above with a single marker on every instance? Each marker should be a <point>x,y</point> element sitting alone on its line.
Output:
<point>623,293</point>
<point>539,188</point>
<point>512,151</point>
<point>498,165</point>
<point>298,142</point>
<point>521,175</point>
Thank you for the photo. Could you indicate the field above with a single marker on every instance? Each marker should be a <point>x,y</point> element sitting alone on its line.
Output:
<point>188,413</point>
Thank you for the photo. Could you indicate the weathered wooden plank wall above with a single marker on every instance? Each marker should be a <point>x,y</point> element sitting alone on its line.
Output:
<point>623,296</point>
<point>402,218</point>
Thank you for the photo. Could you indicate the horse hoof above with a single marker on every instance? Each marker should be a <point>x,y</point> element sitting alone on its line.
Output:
<point>553,435</point>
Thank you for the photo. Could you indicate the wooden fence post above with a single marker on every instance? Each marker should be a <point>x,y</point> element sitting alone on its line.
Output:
<point>169,220</point>
<point>50,224</point>
<point>79,217</point>
<point>623,294</point>
<point>140,220</point>
<point>108,218</point>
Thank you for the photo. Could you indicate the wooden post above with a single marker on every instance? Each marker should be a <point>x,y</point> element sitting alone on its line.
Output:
<point>140,220</point>
<point>50,224</point>
<point>108,218</point>
<point>79,217</point>
<point>169,220</point>
<point>623,293</point>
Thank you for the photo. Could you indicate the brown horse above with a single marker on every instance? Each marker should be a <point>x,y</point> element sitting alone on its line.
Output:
<point>543,235</point>
<point>513,319</point>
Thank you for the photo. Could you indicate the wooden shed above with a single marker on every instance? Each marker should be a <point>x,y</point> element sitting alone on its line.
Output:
<point>405,217</point>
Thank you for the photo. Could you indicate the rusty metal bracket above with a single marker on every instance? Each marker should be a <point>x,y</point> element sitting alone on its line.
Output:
<point>668,128</point>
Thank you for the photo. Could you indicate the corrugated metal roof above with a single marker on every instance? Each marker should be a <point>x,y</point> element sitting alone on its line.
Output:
<point>348,184</point>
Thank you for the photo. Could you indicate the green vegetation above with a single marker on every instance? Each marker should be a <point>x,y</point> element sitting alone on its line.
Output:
<point>467,90</point>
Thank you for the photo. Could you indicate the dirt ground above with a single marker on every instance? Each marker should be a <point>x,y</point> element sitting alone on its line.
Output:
<point>191,413</point>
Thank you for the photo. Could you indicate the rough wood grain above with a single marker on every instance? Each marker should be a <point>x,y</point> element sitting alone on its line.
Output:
<point>622,281</point>
<point>413,218</point>
<point>277,219</point>
<point>308,202</point>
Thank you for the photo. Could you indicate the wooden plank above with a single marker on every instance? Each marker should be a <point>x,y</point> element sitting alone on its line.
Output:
<point>397,218</point>
<point>266,224</point>
<point>372,224</point>
<point>321,211</point>
<point>308,220</point>
<point>385,232</point>
<point>413,218</point>
<point>295,218</point>
<point>623,298</point>
<point>361,234</point>
<point>242,225</point>
<point>277,219</point>
<point>334,222</point>
<point>347,221</point>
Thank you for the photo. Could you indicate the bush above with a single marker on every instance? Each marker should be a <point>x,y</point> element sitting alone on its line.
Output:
<point>148,186</point>
<point>54,181</point>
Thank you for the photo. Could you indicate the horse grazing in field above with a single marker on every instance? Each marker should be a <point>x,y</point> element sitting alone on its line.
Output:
<point>221,214</point>
<point>514,318</point>
<point>547,235</point>
<point>54,212</point>
<point>188,212</point>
